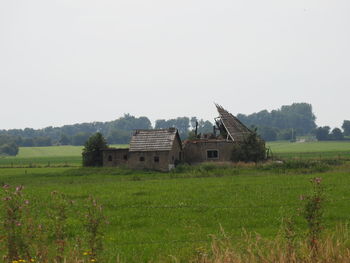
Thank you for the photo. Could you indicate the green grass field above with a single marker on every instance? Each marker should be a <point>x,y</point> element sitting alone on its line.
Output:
<point>71,155</point>
<point>54,151</point>
<point>61,156</point>
<point>325,146</point>
<point>154,216</point>
<point>323,149</point>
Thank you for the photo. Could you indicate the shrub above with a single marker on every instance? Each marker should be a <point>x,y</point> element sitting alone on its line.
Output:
<point>313,213</point>
<point>252,149</point>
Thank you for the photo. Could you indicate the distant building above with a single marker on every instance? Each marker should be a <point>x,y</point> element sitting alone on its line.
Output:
<point>216,148</point>
<point>162,149</point>
<point>149,149</point>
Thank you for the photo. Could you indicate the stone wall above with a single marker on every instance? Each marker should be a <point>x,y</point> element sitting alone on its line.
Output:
<point>115,157</point>
<point>207,150</point>
<point>149,160</point>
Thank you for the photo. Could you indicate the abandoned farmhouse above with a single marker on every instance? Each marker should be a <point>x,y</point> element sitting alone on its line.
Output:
<point>163,149</point>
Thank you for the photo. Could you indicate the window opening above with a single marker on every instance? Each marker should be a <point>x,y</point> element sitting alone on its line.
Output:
<point>110,158</point>
<point>142,159</point>
<point>212,154</point>
<point>156,159</point>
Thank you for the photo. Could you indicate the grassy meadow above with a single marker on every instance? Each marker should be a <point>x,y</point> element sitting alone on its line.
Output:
<point>172,217</point>
<point>67,156</point>
<point>323,149</point>
<point>56,156</point>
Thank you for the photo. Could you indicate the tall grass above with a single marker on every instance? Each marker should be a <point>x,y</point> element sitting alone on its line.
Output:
<point>289,246</point>
<point>334,247</point>
<point>27,238</point>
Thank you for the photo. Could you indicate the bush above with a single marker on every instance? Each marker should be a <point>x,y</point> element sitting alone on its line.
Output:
<point>252,149</point>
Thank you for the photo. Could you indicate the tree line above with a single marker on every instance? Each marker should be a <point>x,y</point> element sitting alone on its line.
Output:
<point>290,121</point>
<point>118,131</point>
<point>281,124</point>
<point>326,134</point>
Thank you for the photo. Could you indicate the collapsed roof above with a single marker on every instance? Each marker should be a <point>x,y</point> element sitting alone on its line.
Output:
<point>229,126</point>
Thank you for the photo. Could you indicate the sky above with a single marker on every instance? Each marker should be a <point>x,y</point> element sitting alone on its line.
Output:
<point>72,61</point>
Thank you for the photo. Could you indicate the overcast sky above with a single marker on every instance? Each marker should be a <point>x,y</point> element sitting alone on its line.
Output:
<point>71,61</point>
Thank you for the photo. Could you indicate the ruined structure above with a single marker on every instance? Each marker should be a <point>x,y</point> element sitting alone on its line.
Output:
<point>216,147</point>
<point>162,149</point>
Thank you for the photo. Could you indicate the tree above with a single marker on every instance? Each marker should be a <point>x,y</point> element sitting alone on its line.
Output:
<point>28,142</point>
<point>252,149</point>
<point>298,116</point>
<point>65,139</point>
<point>118,136</point>
<point>9,149</point>
<point>322,133</point>
<point>268,133</point>
<point>205,126</point>
<point>337,134</point>
<point>193,122</point>
<point>181,123</point>
<point>346,127</point>
<point>287,134</point>
<point>42,141</point>
<point>92,152</point>
<point>80,138</point>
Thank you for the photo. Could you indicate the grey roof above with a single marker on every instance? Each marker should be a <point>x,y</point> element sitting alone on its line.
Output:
<point>153,140</point>
<point>235,129</point>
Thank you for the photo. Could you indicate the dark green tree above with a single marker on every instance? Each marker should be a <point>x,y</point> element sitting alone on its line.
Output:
<point>80,138</point>
<point>92,152</point>
<point>298,116</point>
<point>9,149</point>
<point>28,142</point>
<point>337,134</point>
<point>205,126</point>
<point>346,127</point>
<point>42,141</point>
<point>118,136</point>
<point>252,149</point>
<point>322,133</point>
<point>181,123</point>
<point>65,139</point>
<point>287,134</point>
<point>268,133</point>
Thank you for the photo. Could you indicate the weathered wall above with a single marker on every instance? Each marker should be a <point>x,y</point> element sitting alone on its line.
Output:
<point>115,157</point>
<point>196,151</point>
<point>166,159</point>
<point>149,161</point>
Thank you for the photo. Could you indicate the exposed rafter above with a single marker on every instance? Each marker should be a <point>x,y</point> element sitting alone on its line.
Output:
<point>233,127</point>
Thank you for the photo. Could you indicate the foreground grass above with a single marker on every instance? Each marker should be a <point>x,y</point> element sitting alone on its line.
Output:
<point>155,215</point>
<point>333,247</point>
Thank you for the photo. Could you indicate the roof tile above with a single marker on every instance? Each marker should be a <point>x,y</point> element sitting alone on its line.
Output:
<point>153,140</point>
